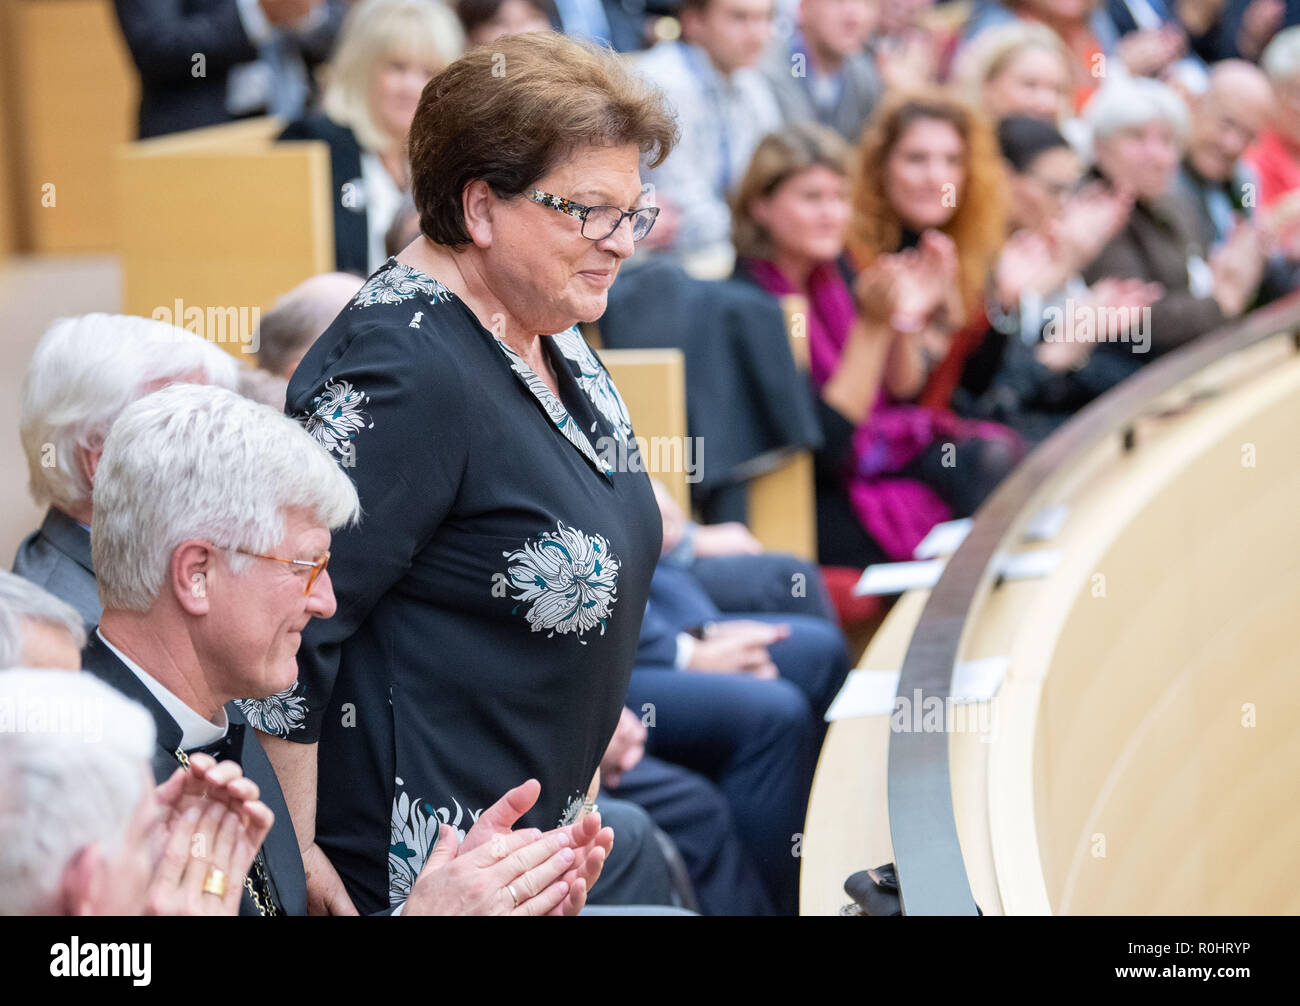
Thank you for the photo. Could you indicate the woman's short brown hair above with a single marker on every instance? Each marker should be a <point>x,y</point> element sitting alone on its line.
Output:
<point>509,112</point>
<point>778,158</point>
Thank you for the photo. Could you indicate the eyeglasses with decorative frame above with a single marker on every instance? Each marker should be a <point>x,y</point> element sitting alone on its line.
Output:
<point>599,222</point>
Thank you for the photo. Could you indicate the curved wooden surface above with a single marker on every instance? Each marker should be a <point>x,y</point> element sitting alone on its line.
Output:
<point>1109,776</point>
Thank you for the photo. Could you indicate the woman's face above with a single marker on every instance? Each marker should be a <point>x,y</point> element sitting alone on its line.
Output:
<point>395,85</point>
<point>925,174</point>
<point>514,17</point>
<point>538,264</point>
<point>1142,157</point>
<point>805,217</point>
<point>1033,82</point>
<point>1039,192</point>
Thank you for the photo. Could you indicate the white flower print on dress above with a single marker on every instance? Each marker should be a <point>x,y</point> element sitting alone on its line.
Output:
<point>414,830</point>
<point>571,579</point>
<point>335,417</point>
<point>396,282</point>
<point>572,809</point>
<point>278,715</point>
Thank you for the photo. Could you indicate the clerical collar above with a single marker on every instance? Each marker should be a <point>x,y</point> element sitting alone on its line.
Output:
<point>196,731</point>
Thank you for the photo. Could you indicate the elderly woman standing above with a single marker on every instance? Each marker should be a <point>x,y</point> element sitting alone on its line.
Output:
<point>490,600</point>
<point>387,51</point>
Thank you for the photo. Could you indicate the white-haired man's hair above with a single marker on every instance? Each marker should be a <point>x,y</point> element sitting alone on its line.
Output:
<point>1134,101</point>
<point>1281,57</point>
<point>84,372</point>
<point>22,601</point>
<point>73,760</point>
<point>199,462</point>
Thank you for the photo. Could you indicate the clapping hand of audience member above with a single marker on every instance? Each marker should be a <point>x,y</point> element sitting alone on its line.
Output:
<point>213,824</point>
<point>207,851</point>
<point>737,646</point>
<point>1088,221</point>
<point>626,748</point>
<point>1260,21</point>
<point>1149,52</point>
<point>1280,226</point>
<point>1238,266</point>
<point>1100,306</point>
<point>590,843</point>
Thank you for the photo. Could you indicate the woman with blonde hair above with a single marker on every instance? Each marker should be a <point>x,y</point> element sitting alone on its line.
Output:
<point>882,480</point>
<point>1018,68</point>
<point>387,51</point>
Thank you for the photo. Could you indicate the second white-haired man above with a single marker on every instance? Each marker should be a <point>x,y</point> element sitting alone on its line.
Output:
<point>83,373</point>
<point>210,543</point>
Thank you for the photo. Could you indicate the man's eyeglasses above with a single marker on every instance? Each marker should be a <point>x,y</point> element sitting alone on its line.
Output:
<point>599,222</point>
<point>317,565</point>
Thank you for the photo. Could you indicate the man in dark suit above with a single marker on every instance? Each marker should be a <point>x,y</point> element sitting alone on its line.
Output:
<point>56,556</point>
<point>186,50</point>
<point>190,624</point>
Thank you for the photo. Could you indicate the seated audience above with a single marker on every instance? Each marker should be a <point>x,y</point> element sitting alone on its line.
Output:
<point>620,24</point>
<point>1086,29</point>
<point>1018,68</point>
<point>1139,129</point>
<point>1275,155</point>
<point>1030,383</point>
<point>83,831</point>
<point>882,478</point>
<point>724,106</point>
<point>36,628</point>
<point>692,811</point>
<point>1221,187</point>
<point>387,51</point>
<point>823,73</point>
<point>210,61</point>
<point>206,590</point>
<point>83,373</point>
<point>298,318</point>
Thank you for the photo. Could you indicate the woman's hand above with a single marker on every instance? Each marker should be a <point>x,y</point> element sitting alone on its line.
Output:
<point>1088,221</point>
<point>518,873</point>
<point>326,894</point>
<point>1238,266</point>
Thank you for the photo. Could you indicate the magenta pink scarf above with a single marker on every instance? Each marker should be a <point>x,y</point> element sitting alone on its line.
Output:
<point>897,512</point>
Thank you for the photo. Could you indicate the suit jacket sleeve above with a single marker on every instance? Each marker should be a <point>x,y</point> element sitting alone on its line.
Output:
<point>657,646</point>
<point>164,40</point>
<point>1178,317</point>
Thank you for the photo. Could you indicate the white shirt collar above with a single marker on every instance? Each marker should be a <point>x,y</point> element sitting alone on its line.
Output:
<point>196,731</point>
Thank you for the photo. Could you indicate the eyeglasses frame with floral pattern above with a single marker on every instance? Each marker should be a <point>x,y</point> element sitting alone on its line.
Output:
<point>581,211</point>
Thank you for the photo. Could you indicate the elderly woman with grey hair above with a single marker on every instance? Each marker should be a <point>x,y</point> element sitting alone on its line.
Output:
<point>36,628</point>
<point>490,599</point>
<point>84,372</point>
<point>1139,128</point>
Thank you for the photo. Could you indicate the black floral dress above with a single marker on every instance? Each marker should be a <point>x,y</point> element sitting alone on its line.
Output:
<point>490,598</point>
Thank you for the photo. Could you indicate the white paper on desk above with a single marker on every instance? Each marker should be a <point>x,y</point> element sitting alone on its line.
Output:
<point>1029,565</point>
<point>871,693</point>
<point>944,539</point>
<point>1047,522</point>
<point>897,577</point>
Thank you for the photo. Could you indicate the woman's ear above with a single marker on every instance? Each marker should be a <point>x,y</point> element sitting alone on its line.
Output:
<point>478,205</point>
<point>191,564</point>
